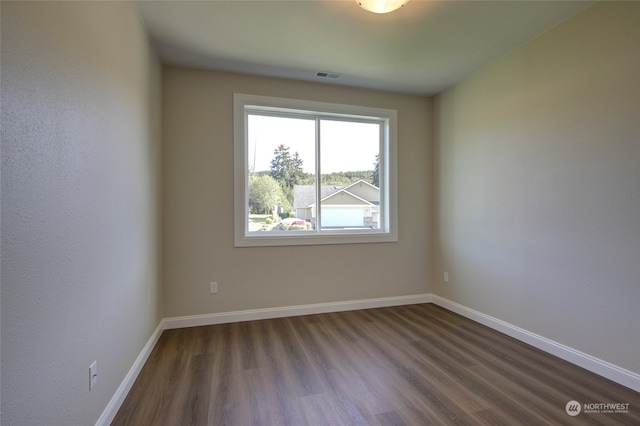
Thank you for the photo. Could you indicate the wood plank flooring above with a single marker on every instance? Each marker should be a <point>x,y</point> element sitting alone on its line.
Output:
<point>406,365</point>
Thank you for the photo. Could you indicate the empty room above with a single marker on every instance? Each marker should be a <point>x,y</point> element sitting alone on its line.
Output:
<point>322,212</point>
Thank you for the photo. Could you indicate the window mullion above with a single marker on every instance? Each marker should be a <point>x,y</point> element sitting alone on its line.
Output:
<point>318,175</point>
<point>383,182</point>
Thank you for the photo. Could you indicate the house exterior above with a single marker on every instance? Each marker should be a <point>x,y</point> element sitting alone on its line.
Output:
<point>353,206</point>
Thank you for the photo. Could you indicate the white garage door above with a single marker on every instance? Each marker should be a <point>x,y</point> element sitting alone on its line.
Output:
<point>342,217</point>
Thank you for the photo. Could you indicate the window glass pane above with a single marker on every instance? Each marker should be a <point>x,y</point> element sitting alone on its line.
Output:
<point>280,158</point>
<point>349,159</point>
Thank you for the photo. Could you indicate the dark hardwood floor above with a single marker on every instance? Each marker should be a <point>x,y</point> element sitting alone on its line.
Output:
<point>406,365</point>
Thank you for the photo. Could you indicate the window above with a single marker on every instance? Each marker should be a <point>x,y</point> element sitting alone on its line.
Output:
<point>313,173</point>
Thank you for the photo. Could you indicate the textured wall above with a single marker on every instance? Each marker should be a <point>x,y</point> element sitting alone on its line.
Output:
<point>81,145</point>
<point>538,186</point>
<point>198,206</point>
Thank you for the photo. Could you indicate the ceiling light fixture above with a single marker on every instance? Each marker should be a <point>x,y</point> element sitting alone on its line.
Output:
<point>381,6</point>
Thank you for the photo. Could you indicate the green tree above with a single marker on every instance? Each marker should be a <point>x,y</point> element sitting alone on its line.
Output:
<point>285,168</point>
<point>296,167</point>
<point>346,178</point>
<point>375,177</point>
<point>264,193</point>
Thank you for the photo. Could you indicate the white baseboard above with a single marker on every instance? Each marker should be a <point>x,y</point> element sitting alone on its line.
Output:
<point>595,365</point>
<point>292,311</point>
<point>114,405</point>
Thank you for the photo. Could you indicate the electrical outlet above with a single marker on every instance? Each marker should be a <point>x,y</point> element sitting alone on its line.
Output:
<point>446,277</point>
<point>93,374</point>
<point>213,287</point>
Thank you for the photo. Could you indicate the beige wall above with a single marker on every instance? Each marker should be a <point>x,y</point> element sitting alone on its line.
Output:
<point>538,184</point>
<point>81,145</point>
<point>535,202</point>
<point>198,206</point>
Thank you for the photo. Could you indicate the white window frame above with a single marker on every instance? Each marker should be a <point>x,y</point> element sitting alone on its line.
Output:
<point>388,232</point>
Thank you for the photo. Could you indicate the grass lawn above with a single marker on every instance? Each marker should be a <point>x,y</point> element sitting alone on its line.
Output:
<point>259,221</point>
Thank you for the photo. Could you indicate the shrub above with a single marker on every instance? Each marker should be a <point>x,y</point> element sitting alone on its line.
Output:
<point>268,221</point>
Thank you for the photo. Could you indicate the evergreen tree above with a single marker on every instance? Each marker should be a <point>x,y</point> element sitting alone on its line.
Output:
<point>286,169</point>
<point>296,168</point>
<point>375,177</point>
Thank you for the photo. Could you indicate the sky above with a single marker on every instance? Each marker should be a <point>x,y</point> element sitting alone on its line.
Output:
<point>345,146</point>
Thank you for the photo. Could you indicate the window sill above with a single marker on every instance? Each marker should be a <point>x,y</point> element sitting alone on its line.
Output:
<point>298,239</point>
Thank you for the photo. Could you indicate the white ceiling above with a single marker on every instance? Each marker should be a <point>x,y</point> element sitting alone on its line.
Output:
<point>422,48</point>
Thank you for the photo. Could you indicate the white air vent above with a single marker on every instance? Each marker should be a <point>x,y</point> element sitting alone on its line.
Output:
<point>323,74</point>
